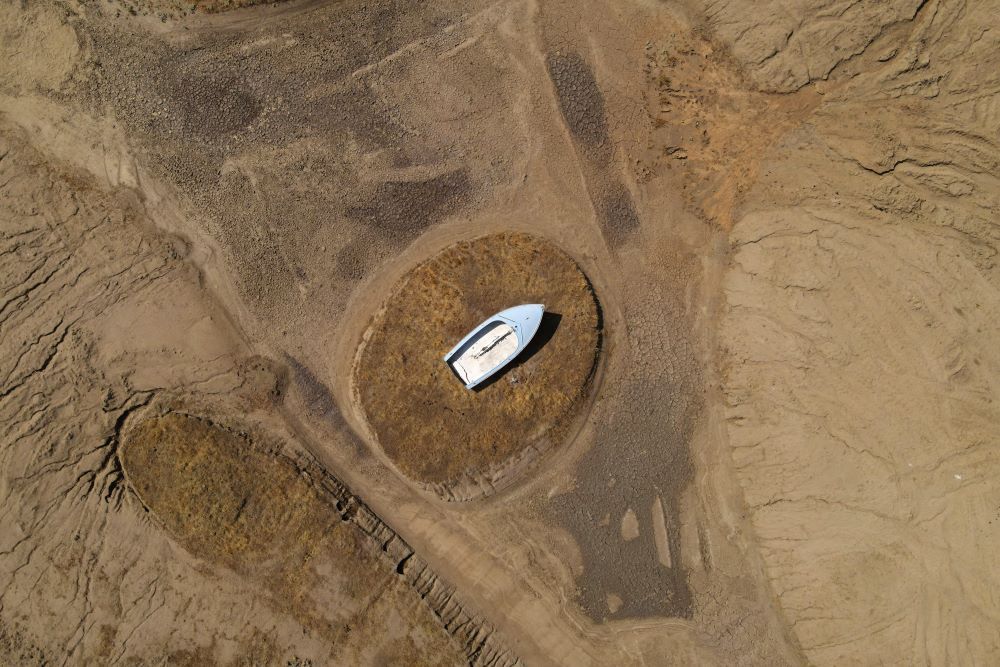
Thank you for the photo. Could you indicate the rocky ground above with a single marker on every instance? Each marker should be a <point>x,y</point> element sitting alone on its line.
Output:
<point>786,454</point>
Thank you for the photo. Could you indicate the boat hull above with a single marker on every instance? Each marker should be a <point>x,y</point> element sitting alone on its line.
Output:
<point>495,343</point>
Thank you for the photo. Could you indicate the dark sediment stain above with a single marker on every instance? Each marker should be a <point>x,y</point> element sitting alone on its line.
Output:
<point>185,167</point>
<point>582,106</point>
<point>617,215</point>
<point>320,405</point>
<point>394,214</point>
<point>265,272</point>
<point>316,396</point>
<point>580,99</point>
<point>212,108</point>
<point>407,208</point>
<point>355,109</point>
<point>356,259</point>
<point>260,130</point>
<point>641,452</point>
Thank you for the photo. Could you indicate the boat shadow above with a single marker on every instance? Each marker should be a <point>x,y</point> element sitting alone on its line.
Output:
<point>546,330</point>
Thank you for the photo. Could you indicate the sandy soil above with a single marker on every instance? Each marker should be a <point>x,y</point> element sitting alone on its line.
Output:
<point>789,215</point>
<point>105,337</point>
<point>861,337</point>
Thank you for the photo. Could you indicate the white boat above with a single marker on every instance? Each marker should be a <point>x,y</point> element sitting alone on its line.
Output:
<point>494,343</point>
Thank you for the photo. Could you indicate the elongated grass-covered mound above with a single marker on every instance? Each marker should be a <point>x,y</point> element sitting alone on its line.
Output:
<point>230,502</point>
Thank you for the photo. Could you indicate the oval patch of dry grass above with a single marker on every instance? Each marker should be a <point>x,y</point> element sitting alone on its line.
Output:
<point>228,501</point>
<point>435,430</point>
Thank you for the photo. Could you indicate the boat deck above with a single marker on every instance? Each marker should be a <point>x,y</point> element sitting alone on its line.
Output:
<point>486,351</point>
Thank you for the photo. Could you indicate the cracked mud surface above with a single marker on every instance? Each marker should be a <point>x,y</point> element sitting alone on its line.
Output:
<point>790,216</point>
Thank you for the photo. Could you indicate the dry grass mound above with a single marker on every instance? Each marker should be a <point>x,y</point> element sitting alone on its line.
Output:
<point>222,498</point>
<point>232,503</point>
<point>434,429</point>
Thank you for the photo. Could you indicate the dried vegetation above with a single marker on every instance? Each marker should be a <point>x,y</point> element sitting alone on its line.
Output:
<point>433,428</point>
<point>233,503</point>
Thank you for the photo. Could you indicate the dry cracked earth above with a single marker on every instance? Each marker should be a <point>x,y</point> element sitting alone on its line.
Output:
<point>778,444</point>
